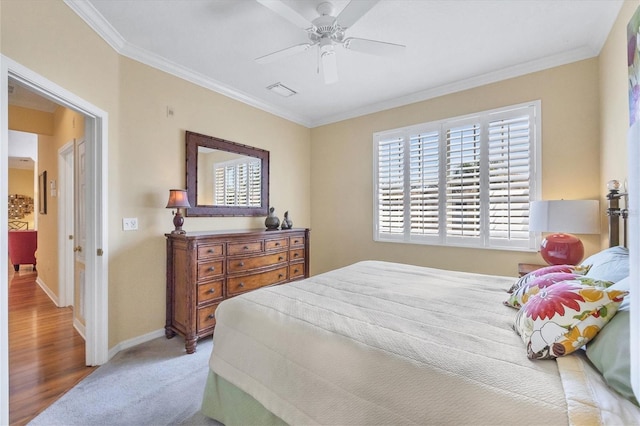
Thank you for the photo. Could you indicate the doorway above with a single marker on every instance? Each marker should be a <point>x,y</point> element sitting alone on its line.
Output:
<point>96,255</point>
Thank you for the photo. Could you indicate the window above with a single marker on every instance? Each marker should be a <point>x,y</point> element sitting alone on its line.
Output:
<point>237,183</point>
<point>465,181</point>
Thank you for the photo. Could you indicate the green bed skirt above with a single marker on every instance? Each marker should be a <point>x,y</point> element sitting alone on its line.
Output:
<point>231,406</point>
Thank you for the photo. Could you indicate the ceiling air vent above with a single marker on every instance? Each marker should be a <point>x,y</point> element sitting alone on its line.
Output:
<point>281,90</point>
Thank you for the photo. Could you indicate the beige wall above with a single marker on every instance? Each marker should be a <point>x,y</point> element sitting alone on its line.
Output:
<point>322,176</point>
<point>614,106</point>
<point>342,168</point>
<point>146,149</point>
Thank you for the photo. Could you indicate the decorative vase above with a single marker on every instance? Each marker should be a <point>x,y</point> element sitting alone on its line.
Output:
<point>272,222</point>
<point>286,222</point>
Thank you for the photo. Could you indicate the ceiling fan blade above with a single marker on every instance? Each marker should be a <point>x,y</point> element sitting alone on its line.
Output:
<point>283,53</point>
<point>287,13</point>
<point>353,11</point>
<point>372,47</point>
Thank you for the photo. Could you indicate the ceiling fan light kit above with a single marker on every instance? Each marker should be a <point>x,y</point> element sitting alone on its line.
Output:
<point>326,31</point>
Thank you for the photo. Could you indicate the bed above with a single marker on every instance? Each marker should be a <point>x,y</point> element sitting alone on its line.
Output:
<point>385,343</point>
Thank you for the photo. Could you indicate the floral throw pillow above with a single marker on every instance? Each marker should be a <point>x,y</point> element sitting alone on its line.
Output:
<point>569,269</point>
<point>522,294</point>
<point>561,318</point>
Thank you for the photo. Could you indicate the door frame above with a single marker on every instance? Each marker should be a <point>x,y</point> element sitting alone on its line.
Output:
<point>97,295</point>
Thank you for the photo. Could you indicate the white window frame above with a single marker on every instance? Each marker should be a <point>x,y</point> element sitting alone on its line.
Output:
<point>440,236</point>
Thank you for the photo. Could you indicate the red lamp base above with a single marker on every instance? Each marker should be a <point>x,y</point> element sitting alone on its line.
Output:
<point>562,249</point>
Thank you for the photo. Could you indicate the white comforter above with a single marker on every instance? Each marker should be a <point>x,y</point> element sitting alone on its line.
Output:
<point>384,343</point>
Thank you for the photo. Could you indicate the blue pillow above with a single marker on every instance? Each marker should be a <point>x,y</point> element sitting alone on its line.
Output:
<point>611,264</point>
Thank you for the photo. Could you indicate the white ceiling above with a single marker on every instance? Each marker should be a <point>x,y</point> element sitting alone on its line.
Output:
<point>451,46</point>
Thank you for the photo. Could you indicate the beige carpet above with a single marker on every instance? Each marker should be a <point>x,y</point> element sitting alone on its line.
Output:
<point>155,383</point>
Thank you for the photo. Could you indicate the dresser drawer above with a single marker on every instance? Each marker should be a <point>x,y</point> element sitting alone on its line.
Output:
<point>276,244</point>
<point>206,317</point>
<point>246,247</point>
<point>296,254</point>
<point>237,285</point>
<point>248,263</point>
<point>206,251</point>
<point>209,291</point>
<point>207,270</point>
<point>297,241</point>
<point>296,271</point>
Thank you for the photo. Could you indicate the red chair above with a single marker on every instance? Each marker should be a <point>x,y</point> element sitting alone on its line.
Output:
<point>22,248</point>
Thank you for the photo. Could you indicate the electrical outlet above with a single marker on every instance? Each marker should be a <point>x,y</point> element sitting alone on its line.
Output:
<point>129,223</point>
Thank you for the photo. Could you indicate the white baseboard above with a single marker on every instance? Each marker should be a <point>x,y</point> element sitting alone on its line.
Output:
<point>79,328</point>
<point>135,341</point>
<point>48,291</point>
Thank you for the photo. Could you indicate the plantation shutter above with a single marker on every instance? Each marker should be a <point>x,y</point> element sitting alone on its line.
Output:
<point>509,145</point>
<point>219,186</point>
<point>424,177</point>
<point>391,186</point>
<point>238,183</point>
<point>463,181</point>
<point>255,184</point>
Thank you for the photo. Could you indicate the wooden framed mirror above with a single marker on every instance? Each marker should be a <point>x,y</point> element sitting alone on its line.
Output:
<point>226,178</point>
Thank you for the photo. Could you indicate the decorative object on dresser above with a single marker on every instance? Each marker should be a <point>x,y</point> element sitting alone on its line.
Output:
<point>272,222</point>
<point>205,268</point>
<point>563,218</point>
<point>178,200</point>
<point>286,222</point>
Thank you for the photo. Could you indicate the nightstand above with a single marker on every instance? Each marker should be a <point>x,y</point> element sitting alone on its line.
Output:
<point>525,268</point>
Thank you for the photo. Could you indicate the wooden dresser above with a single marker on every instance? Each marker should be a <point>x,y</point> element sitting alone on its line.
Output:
<point>205,268</point>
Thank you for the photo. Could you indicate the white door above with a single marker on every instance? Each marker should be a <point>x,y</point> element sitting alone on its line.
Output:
<point>80,236</point>
<point>66,215</point>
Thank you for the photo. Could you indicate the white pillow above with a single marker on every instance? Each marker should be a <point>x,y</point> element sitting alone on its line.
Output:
<point>611,264</point>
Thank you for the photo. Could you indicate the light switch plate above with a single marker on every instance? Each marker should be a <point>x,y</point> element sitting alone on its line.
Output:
<point>129,223</point>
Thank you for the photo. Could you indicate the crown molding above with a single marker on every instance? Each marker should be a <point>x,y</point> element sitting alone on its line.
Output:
<point>466,84</point>
<point>96,21</point>
<point>88,13</point>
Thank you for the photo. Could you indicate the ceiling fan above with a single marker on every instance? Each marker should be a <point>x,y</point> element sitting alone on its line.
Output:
<point>326,31</point>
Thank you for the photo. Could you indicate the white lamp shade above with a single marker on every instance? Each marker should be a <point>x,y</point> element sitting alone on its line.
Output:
<point>566,216</point>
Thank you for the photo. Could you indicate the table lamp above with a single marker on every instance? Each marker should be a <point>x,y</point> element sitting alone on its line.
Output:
<point>563,218</point>
<point>178,200</point>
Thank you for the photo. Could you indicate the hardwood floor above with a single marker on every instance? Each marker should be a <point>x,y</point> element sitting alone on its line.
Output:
<point>46,354</point>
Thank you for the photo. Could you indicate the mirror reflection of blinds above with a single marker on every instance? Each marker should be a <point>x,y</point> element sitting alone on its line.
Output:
<point>237,183</point>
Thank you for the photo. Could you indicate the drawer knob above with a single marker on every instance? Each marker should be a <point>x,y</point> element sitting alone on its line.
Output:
<point>241,264</point>
<point>241,285</point>
<point>295,254</point>
<point>295,271</point>
<point>296,241</point>
<point>211,316</point>
<point>211,269</point>
<point>280,275</point>
<point>280,258</point>
<point>277,244</point>
<point>211,291</point>
<point>210,251</point>
<point>245,248</point>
